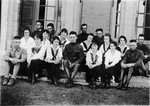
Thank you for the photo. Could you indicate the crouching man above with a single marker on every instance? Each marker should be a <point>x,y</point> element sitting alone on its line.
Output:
<point>132,61</point>
<point>72,55</point>
<point>13,58</point>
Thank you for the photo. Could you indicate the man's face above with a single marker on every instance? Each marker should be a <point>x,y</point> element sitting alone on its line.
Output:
<point>16,43</point>
<point>133,45</point>
<point>73,38</point>
<point>49,28</point>
<point>141,40</point>
<point>99,33</point>
<point>38,25</point>
<point>84,29</point>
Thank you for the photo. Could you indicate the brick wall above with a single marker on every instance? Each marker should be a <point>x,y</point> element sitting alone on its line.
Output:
<point>96,13</point>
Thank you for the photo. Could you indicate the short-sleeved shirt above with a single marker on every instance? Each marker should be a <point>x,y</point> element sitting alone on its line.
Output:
<point>19,53</point>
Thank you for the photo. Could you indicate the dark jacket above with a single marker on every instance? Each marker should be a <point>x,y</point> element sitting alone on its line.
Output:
<point>135,57</point>
<point>73,52</point>
<point>82,37</point>
<point>144,48</point>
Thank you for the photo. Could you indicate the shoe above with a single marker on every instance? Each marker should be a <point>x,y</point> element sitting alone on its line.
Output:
<point>11,82</point>
<point>5,81</point>
<point>119,86</point>
<point>51,82</point>
<point>33,79</point>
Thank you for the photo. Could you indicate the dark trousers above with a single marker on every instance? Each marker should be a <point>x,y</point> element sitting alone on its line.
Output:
<point>35,67</point>
<point>112,71</point>
<point>93,73</point>
<point>53,71</point>
<point>146,60</point>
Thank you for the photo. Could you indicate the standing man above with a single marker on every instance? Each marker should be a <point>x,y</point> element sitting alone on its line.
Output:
<point>99,38</point>
<point>73,55</point>
<point>141,46</point>
<point>13,58</point>
<point>38,29</point>
<point>83,35</point>
<point>132,61</point>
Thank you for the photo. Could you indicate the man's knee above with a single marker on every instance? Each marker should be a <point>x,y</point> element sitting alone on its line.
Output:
<point>66,63</point>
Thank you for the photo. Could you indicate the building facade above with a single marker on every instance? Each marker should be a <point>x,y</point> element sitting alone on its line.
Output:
<point>117,17</point>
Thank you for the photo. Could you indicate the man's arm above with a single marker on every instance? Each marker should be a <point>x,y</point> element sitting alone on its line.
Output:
<point>7,55</point>
<point>81,55</point>
<point>23,56</point>
<point>140,59</point>
<point>65,53</point>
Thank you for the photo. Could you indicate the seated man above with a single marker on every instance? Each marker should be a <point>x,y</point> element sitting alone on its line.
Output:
<point>13,57</point>
<point>73,55</point>
<point>146,52</point>
<point>132,60</point>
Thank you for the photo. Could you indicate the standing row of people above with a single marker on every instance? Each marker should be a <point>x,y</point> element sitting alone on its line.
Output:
<point>98,56</point>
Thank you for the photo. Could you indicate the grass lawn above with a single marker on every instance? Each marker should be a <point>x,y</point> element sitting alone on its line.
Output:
<point>41,93</point>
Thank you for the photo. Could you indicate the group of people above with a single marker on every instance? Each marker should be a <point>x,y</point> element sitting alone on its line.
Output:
<point>96,55</point>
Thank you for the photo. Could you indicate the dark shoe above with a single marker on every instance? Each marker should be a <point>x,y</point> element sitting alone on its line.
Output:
<point>33,79</point>
<point>11,82</point>
<point>5,81</point>
<point>119,86</point>
<point>51,82</point>
<point>94,86</point>
<point>56,83</point>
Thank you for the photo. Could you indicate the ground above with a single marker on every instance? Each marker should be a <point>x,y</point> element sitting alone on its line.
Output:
<point>41,93</point>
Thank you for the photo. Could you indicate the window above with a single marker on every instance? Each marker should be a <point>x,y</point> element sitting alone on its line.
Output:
<point>143,19</point>
<point>49,12</point>
<point>118,14</point>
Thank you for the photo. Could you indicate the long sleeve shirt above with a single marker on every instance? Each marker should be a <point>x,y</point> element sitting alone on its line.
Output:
<point>54,54</point>
<point>91,59</point>
<point>19,53</point>
<point>27,44</point>
<point>36,53</point>
<point>133,56</point>
<point>123,50</point>
<point>85,46</point>
<point>73,52</point>
<point>46,43</point>
<point>112,58</point>
<point>144,48</point>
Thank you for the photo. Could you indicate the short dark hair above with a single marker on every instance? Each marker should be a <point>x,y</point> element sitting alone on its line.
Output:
<point>141,35</point>
<point>38,35</point>
<point>64,30</point>
<point>99,29</point>
<point>84,24</point>
<point>133,40</point>
<point>27,28</point>
<point>45,30</point>
<point>16,37</point>
<point>73,32</point>
<point>54,38</point>
<point>39,21</point>
<point>122,36</point>
<point>114,43</point>
<point>91,34</point>
<point>50,24</point>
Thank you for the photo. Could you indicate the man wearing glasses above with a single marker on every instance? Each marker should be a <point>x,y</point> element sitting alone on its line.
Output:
<point>141,46</point>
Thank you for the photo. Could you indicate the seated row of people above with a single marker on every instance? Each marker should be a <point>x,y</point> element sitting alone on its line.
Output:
<point>40,53</point>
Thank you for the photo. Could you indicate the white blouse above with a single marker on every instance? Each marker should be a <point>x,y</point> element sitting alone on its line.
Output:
<point>27,44</point>
<point>46,44</point>
<point>89,59</point>
<point>123,50</point>
<point>52,55</point>
<point>112,58</point>
<point>34,53</point>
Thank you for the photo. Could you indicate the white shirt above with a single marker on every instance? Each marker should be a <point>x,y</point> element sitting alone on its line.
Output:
<point>36,55</point>
<point>84,48</point>
<point>27,44</point>
<point>114,58</point>
<point>123,51</point>
<point>102,50</point>
<point>46,44</point>
<point>89,58</point>
<point>57,53</point>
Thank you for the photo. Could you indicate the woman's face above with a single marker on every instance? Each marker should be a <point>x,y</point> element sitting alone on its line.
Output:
<point>26,32</point>
<point>90,38</point>
<point>37,40</point>
<point>94,47</point>
<point>122,41</point>
<point>112,47</point>
<point>45,35</point>
<point>56,42</point>
<point>106,39</point>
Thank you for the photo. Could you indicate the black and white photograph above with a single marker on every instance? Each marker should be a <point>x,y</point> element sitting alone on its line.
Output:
<point>74,52</point>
